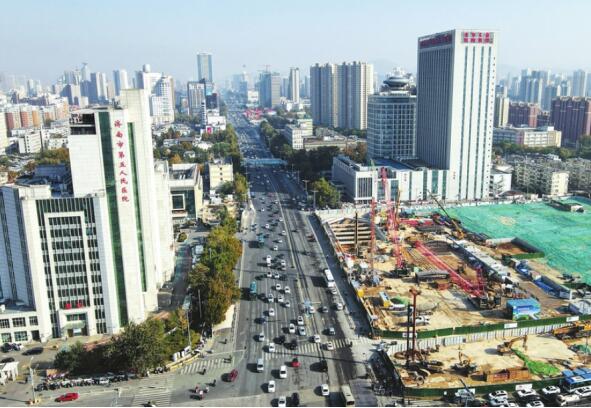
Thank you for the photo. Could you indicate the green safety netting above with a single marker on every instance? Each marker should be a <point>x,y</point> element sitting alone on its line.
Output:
<point>564,237</point>
<point>538,367</point>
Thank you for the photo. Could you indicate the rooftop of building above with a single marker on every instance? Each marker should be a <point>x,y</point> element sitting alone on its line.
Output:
<point>183,171</point>
<point>56,176</point>
<point>221,161</point>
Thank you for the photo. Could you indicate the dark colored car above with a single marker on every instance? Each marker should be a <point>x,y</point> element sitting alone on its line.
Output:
<point>323,365</point>
<point>292,345</point>
<point>295,399</point>
<point>279,339</point>
<point>33,351</point>
<point>7,360</point>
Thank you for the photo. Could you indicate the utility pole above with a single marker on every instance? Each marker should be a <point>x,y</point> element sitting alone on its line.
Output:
<point>314,191</point>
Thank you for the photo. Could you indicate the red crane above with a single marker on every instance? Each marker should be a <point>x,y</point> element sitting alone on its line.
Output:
<point>392,220</point>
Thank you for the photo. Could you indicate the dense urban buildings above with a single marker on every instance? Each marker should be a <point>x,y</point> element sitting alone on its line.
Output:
<point>339,93</point>
<point>455,108</point>
<point>572,116</point>
<point>523,114</point>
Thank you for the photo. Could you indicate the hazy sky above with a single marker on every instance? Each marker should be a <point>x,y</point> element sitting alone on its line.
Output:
<point>42,38</point>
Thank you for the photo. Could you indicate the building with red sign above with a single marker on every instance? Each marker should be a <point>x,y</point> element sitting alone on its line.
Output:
<point>455,107</point>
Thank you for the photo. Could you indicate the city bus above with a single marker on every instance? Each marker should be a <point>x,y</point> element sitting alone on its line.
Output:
<point>347,396</point>
<point>330,283</point>
<point>253,290</point>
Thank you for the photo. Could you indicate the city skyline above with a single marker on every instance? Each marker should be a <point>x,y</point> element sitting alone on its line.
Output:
<point>253,44</point>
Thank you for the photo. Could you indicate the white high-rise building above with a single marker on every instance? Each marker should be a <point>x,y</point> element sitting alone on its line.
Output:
<point>293,93</point>
<point>162,100</point>
<point>120,80</point>
<point>111,152</point>
<point>339,93</point>
<point>3,132</point>
<point>204,67</point>
<point>579,83</point>
<point>455,92</point>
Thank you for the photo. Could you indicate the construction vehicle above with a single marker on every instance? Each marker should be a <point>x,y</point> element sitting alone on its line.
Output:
<point>464,364</point>
<point>506,347</point>
<point>575,330</point>
<point>458,233</point>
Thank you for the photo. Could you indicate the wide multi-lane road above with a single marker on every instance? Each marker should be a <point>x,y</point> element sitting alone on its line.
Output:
<point>272,194</point>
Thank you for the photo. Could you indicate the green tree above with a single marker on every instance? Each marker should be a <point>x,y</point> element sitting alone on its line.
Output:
<point>226,188</point>
<point>70,360</point>
<point>220,296</point>
<point>240,187</point>
<point>139,348</point>
<point>326,194</point>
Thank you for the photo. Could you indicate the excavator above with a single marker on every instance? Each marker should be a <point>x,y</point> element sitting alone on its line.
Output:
<point>506,347</point>
<point>458,233</point>
<point>465,364</point>
<point>575,330</point>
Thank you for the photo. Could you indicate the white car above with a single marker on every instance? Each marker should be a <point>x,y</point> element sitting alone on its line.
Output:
<point>311,310</point>
<point>261,336</point>
<point>280,299</point>
<point>301,330</point>
<point>330,346</point>
<point>267,226</point>
<point>275,248</point>
<point>271,348</point>
<point>271,386</point>
<point>277,286</point>
<point>583,392</point>
<point>536,404</point>
<point>287,303</point>
<point>339,306</point>
<point>292,328</point>
<point>283,233</point>
<point>279,241</point>
<point>280,219</point>
<point>498,402</point>
<point>269,274</point>
<point>316,338</point>
<point>276,275</point>
<point>262,209</point>
<point>300,321</point>
<point>282,402</point>
<point>283,371</point>
<point>271,312</point>
<point>498,394</point>
<point>286,289</point>
<point>324,390</point>
<point>268,258</point>
<point>526,394</point>
<point>271,298</point>
<point>550,390</point>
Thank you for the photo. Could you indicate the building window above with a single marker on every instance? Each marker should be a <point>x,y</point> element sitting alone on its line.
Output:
<point>4,324</point>
<point>33,321</point>
<point>19,322</point>
<point>21,336</point>
<point>6,338</point>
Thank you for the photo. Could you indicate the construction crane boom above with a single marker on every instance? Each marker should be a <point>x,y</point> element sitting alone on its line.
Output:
<point>458,232</point>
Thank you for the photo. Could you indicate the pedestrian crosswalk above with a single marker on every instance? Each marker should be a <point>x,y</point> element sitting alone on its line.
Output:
<point>207,364</point>
<point>159,396</point>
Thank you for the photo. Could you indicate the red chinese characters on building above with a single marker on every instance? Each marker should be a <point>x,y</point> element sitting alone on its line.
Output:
<point>122,164</point>
<point>475,37</point>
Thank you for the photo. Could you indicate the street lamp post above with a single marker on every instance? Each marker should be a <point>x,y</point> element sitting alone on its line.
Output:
<point>188,327</point>
<point>32,375</point>
<point>314,191</point>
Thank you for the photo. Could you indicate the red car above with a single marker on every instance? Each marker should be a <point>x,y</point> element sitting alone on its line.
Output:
<point>295,363</point>
<point>233,375</point>
<point>70,396</point>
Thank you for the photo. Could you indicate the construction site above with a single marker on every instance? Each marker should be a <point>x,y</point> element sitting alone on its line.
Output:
<point>425,274</point>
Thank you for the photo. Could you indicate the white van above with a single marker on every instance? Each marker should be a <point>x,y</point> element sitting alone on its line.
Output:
<point>260,365</point>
